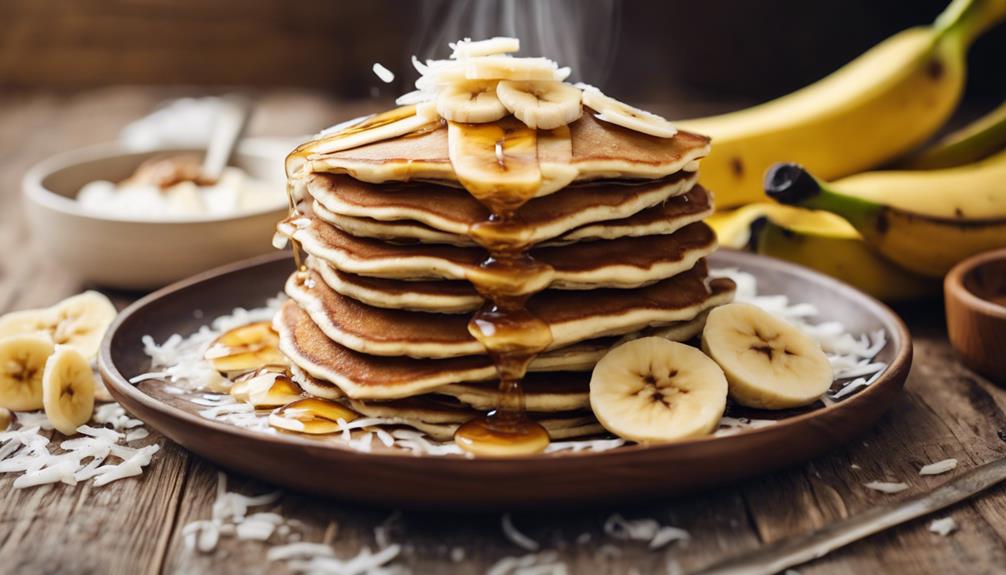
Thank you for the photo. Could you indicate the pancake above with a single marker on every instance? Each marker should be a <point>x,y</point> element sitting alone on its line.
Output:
<point>433,296</point>
<point>666,217</point>
<point>339,371</point>
<point>571,317</point>
<point>623,263</point>
<point>599,150</point>
<point>455,211</point>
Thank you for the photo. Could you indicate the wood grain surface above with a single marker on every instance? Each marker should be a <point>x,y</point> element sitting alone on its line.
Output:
<point>134,525</point>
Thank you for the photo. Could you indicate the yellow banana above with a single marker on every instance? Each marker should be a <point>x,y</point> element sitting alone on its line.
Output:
<point>971,143</point>
<point>823,242</point>
<point>925,226</point>
<point>874,109</point>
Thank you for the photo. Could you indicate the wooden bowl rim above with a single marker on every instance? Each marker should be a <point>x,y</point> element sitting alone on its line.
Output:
<point>954,288</point>
<point>120,384</point>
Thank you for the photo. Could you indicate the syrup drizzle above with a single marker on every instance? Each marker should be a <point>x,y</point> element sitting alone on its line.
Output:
<point>498,165</point>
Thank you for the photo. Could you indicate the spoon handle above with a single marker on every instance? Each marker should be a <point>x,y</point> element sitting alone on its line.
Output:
<point>781,555</point>
<point>227,131</point>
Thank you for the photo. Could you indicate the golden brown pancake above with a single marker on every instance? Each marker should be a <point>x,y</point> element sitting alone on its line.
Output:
<point>600,150</point>
<point>341,371</point>
<point>455,211</point>
<point>572,317</point>
<point>624,262</point>
<point>665,217</point>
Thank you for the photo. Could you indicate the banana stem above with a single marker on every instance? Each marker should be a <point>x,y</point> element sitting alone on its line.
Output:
<point>791,184</point>
<point>965,20</point>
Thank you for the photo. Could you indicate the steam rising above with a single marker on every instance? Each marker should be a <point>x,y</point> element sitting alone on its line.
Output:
<point>582,34</point>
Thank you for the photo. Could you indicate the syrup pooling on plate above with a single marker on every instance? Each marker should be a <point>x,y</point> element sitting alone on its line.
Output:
<point>498,164</point>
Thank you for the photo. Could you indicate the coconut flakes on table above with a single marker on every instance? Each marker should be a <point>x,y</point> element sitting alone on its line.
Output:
<point>646,530</point>
<point>888,487</point>
<point>944,526</point>
<point>851,357</point>
<point>25,450</point>
<point>939,467</point>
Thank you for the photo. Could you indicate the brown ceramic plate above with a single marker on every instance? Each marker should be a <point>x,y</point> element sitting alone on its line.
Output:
<point>399,478</point>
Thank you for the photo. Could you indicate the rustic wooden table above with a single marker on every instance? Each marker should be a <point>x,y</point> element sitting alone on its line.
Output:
<point>134,526</point>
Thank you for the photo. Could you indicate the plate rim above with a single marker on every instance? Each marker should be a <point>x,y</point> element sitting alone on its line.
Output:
<point>119,384</point>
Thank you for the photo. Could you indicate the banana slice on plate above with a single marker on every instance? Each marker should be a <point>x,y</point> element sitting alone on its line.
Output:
<point>544,105</point>
<point>769,363</point>
<point>312,415</point>
<point>652,390</point>
<point>473,102</point>
<point>266,388</point>
<point>68,390</point>
<point>246,348</point>
<point>79,322</point>
<point>612,111</point>
<point>22,363</point>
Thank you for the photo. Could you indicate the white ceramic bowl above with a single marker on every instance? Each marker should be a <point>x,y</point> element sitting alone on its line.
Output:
<point>134,253</point>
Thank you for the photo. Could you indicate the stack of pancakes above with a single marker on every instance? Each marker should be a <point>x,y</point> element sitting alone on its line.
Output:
<point>378,317</point>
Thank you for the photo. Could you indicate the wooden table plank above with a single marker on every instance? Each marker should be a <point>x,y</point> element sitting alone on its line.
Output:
<point>135,525</point>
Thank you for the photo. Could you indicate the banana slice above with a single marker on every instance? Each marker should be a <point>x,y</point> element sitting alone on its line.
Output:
<point>544,105</point>
<point>266,388</point>
<point>509,68</point>
<point>652,390</point>
<point>611,110</point>
<point>769,362</point>
<point>491,47</point>
<point>68,390</point>
<point>22,363</point>
<point>473,102</point>
<point>79,322</point>
<point>5,418</point>
<point>354,137</point>
<point>246,348</point>
<point>312,415</point>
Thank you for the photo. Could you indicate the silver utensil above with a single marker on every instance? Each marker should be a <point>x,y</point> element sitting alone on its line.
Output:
<point>781,555</point>
<point>228,128</point>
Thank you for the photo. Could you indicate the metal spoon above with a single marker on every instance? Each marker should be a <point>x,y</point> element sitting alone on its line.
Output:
<point>781,555</point>
<point>228,128</point>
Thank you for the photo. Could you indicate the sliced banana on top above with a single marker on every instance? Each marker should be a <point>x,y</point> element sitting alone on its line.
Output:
<point>22,363</point>
<point>468,49</point>
<point>611,110</point>
<point>509,68</point>
<point>544,105</point>
<point>471,101</point>
<point>68,390</point>
<point>652,390</point>
<point>79,322</point>
<point>769,363</point>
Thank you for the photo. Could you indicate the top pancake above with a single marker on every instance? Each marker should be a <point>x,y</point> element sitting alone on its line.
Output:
<point>599,150</point>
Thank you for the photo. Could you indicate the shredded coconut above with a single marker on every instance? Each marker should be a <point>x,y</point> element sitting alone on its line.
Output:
<point>386,75</point>
<point>544,563</point>
<point>944,526</point>
<point>939,467</point>
<point>886,486</point>
<point>24,450</point>
<point>516,537</point>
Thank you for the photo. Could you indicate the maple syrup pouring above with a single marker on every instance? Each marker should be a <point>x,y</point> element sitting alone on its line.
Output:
<point>512,335</point>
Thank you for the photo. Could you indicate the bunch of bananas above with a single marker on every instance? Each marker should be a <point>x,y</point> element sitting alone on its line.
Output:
<point>891,233</point>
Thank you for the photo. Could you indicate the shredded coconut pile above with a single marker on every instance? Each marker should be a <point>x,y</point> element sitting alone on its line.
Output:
<point>852,357</point>
<point>231,518</point>
<point>26,450</point>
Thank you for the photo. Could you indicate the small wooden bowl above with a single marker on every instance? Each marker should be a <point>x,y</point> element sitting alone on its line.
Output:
<point>976,312</point>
